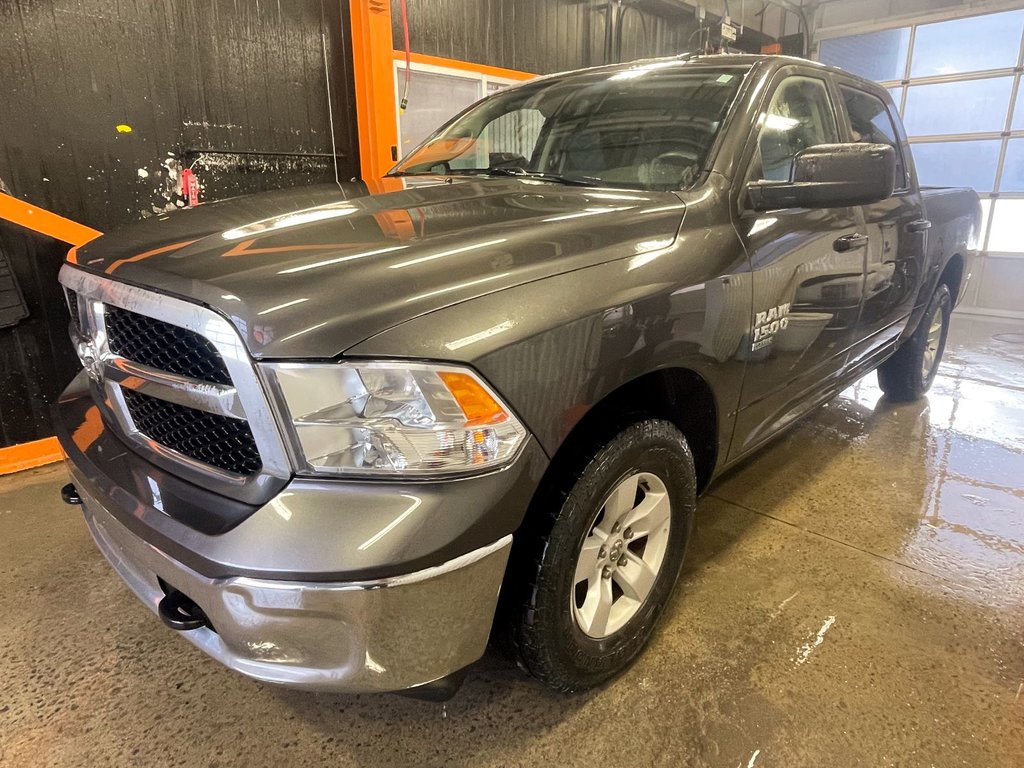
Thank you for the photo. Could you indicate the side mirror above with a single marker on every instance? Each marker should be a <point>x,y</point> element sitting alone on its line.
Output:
<point>830,176</point>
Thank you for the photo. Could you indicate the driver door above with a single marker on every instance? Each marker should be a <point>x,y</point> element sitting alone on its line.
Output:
<point>807,268</point>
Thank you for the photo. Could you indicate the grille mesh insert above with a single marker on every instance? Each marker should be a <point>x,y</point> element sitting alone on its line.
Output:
<point>212,439</point>
<point>76,318</point>
<point>163,346</point>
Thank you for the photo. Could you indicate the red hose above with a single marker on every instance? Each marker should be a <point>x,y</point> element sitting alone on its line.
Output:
<point>408,58</point>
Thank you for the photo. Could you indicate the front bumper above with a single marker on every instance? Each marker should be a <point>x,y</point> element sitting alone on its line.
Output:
<point>370,636</point>
<point>341,586</point>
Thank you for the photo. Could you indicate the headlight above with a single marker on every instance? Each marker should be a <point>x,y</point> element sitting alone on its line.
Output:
<point>393,418</point>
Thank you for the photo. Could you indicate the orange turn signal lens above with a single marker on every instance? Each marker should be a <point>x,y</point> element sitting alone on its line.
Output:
<point>480,408</point>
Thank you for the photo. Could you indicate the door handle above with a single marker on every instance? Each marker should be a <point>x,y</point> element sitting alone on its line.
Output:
<point>850,242</point>
<point>918,225</point>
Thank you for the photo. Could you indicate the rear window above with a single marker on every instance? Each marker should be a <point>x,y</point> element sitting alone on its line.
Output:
<point>871,123</point>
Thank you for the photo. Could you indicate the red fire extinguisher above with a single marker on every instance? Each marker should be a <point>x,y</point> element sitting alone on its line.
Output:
<point>189,187</point>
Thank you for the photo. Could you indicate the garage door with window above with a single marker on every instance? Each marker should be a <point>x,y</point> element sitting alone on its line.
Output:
<point>957,86</point>
<point>437,94</point>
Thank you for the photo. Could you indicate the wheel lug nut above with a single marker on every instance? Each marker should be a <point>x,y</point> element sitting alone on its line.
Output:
<point>602,553</point>
<point>606,572</point>
<point>628,533</point>
<point>622,561</point>
<point>615,528</point>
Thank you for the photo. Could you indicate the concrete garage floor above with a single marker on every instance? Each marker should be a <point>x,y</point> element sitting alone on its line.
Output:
<point>855,596</point>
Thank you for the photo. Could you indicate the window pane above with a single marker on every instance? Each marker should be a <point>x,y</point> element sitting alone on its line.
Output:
<point>957,164</point>
<point>433,99</point>
<point>876,56</point>
<point>870,123</point>
<point>897,97</point>
<point>986,211</point>
<point>1013,167</point>
<point>510,140</point>
<point>1018,111</point>
<point>1007,234</point>
<point>964,107</point>
<point>800,116</point>
<point>967,45</point>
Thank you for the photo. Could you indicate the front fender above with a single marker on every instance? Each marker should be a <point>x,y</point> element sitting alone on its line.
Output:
<point>556,347</point>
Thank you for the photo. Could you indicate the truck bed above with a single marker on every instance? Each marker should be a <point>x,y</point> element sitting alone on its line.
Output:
<point>955,214</point>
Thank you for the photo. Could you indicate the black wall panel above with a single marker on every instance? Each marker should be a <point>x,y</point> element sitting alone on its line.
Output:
<point>242,77</point>
<point>234,75</point>
<point>545,36</point>
<point>36,359</point>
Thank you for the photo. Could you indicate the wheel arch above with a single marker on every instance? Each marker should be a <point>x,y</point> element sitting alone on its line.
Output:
<point>678,395</point>
<point>952,276</point>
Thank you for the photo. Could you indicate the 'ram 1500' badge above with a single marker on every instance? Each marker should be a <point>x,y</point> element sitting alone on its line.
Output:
<point>767,324</point>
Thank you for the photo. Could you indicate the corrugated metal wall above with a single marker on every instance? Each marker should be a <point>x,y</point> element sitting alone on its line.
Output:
<point>36,359</point>
<point>224,74</point>
<point>546,36</point>
<point>234,75</point>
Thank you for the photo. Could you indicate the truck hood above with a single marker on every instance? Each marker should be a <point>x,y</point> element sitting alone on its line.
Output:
<point>309,273</point>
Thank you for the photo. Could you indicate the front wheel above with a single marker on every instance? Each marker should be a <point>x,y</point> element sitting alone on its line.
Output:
<point>599,578</point>
<point>910,372</point>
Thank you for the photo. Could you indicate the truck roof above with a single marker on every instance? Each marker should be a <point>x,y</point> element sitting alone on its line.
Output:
<point>746,60</point>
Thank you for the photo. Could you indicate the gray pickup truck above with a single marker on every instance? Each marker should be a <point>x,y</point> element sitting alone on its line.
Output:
<point>338,439</point>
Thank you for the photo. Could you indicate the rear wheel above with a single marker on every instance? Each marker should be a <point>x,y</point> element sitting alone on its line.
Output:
<point>910,372</point>
<point>597,580</point>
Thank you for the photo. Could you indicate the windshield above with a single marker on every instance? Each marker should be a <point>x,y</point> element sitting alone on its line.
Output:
<point>649,127</point>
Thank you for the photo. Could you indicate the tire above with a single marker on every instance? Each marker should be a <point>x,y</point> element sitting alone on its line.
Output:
<point>549,608</point>
<point>909,373</point>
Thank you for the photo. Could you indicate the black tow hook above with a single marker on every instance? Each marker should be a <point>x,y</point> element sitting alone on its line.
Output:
<point>178,611</point>
<point>70,494</point>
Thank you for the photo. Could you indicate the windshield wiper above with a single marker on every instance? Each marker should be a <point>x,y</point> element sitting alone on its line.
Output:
<point>521,173</point>
<point>575,181</point>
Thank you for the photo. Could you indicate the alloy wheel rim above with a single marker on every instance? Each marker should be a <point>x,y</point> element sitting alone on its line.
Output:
<point>931,346</point>
<point>622,555</point>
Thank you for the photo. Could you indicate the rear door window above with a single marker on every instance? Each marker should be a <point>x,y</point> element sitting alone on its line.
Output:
<point>871,123</point>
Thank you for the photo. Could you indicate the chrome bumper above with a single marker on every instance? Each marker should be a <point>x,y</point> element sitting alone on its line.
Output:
<point>373,636</point>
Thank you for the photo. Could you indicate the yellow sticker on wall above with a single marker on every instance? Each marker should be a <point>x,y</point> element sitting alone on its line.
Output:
<point>122,128</point>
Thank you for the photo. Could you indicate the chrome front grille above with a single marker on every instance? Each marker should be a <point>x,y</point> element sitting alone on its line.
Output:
<point>219,441</point>
<point>175,380</point>
<point>163,346</point>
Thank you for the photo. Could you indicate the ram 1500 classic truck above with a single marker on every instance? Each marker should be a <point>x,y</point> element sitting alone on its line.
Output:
<point>338,437</point>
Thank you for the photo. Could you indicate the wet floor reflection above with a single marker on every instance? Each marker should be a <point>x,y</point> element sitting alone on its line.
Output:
<point>937,485</point>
